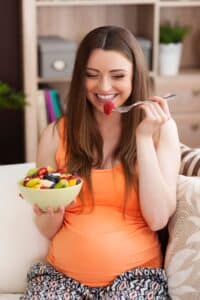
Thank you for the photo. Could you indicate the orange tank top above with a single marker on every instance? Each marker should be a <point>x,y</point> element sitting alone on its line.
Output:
<point>94,247</point>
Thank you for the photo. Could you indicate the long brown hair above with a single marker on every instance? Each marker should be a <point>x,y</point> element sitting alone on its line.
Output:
<point>83,137</point>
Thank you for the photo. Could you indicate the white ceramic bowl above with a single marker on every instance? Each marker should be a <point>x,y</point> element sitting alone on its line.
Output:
<point>54,198</point>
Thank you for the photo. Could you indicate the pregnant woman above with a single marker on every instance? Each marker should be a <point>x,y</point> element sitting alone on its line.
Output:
<point>105,245</point>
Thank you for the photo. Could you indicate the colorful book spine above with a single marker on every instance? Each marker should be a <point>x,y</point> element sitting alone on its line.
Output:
<point>56,103</point>
<point>49,106</point>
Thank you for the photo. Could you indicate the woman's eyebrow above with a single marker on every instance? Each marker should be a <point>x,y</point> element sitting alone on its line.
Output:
<point>118,70</point>
<point>92,69</point>
<point>112,71</point>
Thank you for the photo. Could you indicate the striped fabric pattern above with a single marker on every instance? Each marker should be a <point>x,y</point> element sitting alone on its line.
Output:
<point>190,161</point>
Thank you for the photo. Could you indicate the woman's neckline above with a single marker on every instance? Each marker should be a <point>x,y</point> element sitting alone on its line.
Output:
<point>115,166</point>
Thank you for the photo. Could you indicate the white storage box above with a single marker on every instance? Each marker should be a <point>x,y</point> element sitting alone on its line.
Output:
<point>56,56</point>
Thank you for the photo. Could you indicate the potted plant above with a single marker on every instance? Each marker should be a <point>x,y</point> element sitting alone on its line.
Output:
<point>12,105</point>
<point>11,99</point>
<point>170,50</point>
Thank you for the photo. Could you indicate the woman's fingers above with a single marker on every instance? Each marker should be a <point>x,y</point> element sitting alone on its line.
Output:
<point>162,117</point>
<point>37,210</point>
<point>148,111</point>
<point>154,107</point>
<point>163,104</point>
<point>50,210</point>
<point>153,112</point>
<point>59,210</point>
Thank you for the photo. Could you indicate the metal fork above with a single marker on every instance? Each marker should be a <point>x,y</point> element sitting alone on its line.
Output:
<point>124,109</point>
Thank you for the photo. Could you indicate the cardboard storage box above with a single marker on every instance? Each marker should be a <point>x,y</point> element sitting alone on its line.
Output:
<point>56,56</point>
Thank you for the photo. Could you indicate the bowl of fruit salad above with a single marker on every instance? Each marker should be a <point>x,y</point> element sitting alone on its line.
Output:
<point>49,188</point>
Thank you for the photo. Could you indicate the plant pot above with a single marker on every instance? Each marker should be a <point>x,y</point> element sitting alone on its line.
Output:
<point>11,136</point>
<point>169,58</point>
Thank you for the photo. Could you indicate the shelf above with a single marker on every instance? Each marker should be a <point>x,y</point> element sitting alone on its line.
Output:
<point>184,73</point>
<point>190,72</point>
<point>54,80</point>
<point>72,19</point>
<point>92,2</point>
<point>179,3</point>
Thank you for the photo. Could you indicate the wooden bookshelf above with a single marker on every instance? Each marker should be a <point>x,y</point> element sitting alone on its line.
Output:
<point>72,19</point>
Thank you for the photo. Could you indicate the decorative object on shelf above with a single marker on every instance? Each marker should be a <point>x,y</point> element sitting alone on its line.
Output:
<point>170,50</point>
<point>11,99</point>
<point>146,46</point>
<point>56,56</point>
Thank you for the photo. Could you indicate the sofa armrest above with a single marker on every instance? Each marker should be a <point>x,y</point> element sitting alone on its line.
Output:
<point>21,242</point>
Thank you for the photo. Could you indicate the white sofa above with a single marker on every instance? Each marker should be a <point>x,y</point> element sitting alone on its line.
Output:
<point>21,244</point>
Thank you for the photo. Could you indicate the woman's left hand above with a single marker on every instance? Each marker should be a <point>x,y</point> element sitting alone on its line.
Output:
<point>156,114</point>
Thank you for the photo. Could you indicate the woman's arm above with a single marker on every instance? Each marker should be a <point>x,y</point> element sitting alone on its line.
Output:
<point>51,221</point>
<point>47,147</point>
<point>158,167</point>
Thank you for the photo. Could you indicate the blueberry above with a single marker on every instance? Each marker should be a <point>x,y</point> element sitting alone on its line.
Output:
<point>51,177</point>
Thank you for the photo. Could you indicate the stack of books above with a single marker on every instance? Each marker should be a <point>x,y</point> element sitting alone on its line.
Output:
<point>48,108</point>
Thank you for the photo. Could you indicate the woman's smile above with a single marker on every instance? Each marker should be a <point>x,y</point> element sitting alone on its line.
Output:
<point>106,97</point>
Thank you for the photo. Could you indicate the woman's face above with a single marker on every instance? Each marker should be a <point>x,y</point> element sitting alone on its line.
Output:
<point>108,78</point>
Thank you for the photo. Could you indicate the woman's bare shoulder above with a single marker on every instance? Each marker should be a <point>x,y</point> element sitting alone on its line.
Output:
<point>47,146</point>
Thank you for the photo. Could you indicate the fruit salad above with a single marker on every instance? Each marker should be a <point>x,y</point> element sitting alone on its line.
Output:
<point>48,178</point>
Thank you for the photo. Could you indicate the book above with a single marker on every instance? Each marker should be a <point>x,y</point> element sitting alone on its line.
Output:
<point>49,106</point>
<point>56,103</point>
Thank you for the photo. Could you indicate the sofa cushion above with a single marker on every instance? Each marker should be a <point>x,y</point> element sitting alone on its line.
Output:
<point>9,296</point>
<point>190,161</point>
<point>21,242</point>
<point>182,260</point>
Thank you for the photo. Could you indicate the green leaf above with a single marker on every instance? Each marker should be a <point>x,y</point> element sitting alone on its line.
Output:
<point>173,34</point>
<point>11,99</point>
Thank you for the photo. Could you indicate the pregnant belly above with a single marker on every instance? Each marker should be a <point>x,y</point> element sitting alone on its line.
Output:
<point>95,248</point>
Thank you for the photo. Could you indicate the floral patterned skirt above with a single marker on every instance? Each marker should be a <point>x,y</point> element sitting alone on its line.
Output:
<point>44,282</point>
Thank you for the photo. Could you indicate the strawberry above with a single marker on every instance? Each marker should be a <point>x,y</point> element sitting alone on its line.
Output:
<point>42,171</point>
<point>61,171</point>
<point>108,107</point>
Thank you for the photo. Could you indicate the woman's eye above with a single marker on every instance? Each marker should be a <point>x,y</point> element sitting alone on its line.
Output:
<point>91,75</point>
<point>118,76</point>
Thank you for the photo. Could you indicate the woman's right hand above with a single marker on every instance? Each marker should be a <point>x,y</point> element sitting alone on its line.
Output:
<point>49,222</point>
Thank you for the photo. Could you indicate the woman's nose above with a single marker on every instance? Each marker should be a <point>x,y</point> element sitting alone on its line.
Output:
<point>104,84</point>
